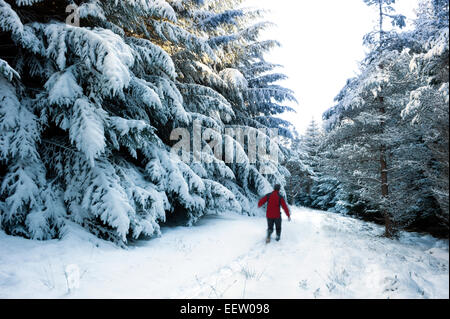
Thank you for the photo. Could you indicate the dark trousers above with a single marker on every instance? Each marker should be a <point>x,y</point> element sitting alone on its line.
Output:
<point>270,223</point>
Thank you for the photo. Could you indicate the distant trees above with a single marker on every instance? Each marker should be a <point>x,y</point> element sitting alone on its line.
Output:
<point>301,173</point>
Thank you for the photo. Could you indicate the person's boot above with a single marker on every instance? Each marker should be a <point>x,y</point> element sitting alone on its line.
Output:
<point>269,233</point>
<point>278,238</point>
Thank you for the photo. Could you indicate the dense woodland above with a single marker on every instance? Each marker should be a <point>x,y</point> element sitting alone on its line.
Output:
<point>87,111</point>
<point>383,151</point>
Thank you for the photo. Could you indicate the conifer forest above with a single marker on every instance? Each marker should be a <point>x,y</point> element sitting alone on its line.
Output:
<point>123,120</point>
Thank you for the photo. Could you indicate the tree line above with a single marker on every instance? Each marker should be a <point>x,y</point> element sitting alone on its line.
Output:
<point>383,151</point>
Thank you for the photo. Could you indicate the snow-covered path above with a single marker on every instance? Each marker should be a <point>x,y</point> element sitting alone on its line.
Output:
<point>321,255</point>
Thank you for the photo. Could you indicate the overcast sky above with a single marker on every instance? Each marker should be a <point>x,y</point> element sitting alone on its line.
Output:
<point>321,46</point>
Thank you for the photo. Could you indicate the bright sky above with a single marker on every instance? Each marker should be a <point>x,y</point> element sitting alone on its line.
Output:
<point>321,46</point>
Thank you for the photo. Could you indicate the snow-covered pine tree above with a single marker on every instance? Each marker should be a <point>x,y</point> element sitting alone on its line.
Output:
<point>385,10</point>
<point>325,191</point>
<point>222,80</point>
<point>362,135</point>
<point>373,145</point>
<point>263,98</point>
<point>86,114</point>
<point>311,142</point>
<point>362,131</point>
<point>381,38</point>
<point>309,156</point>
<point>90,96</point>
<point>312,183</point>
<point>427,109</point>
<point>300,173</point>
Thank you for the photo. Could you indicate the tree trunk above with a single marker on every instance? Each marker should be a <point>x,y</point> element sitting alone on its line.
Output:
<point>384,179</point>
<point>380,8</point>
<point>385,191</point>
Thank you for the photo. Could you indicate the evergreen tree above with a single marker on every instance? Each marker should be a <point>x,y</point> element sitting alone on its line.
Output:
<point>365,118</point>
<point>377,156</point>
<point>314,184</point>
<point>86,114</point>
<point>300,174</point>
<point>310,144</point>
<point>427,110</point>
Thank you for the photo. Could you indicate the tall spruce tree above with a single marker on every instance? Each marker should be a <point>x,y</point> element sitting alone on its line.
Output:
<point>377,155</point>
<point>312,182</point>
<point>300,173</point>
<point>310,143</point>
<point>427,110</point>
<point>362,132</point>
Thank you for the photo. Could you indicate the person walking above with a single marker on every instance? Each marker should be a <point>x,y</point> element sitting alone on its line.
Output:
<point>274,201</point>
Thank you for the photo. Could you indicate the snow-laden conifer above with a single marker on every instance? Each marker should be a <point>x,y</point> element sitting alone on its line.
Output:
<point>87,110</point>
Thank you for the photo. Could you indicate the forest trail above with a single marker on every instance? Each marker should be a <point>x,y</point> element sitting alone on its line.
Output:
<point>320,255</point>
<point>324,255</point>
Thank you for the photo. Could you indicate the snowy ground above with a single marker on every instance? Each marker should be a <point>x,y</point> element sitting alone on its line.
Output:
<point>321,255</point>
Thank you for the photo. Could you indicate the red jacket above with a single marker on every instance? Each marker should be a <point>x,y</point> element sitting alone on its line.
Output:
<point>273,206</point>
